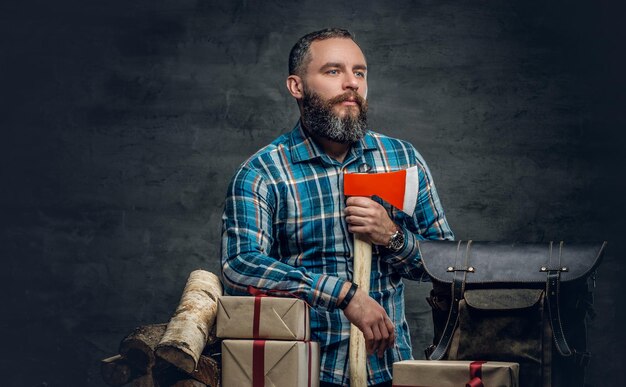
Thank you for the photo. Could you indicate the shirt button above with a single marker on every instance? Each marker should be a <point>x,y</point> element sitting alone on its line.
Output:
<point>322,302</point>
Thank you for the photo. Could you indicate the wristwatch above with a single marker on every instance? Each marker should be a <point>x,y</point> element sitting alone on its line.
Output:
<point>348,297</point>
<point>396,241</point>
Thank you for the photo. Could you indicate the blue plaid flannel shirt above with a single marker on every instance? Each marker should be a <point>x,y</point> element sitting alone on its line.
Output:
<point>284,231</point>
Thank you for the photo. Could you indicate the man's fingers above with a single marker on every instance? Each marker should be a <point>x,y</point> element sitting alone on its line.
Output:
<point>384,343</point>
<point>369,345</point>
<point>384,331</point>
<point>354,210</point>
<point>368,335</point>
<point>392,333</point>
<point>360,217</point>
<point>357,220</point>
<point>390,327</point>
<point>359,201</point>
<point>378,338</point>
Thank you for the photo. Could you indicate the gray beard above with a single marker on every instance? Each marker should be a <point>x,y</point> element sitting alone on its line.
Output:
<point>318,117</point>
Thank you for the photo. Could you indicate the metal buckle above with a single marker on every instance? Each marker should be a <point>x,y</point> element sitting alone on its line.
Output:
<point>470,269</point>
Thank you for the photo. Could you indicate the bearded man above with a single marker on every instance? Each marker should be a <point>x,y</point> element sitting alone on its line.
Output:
<point>287,227</point>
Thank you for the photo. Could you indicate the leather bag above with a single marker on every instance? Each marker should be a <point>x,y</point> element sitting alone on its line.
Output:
<point>523,303</point>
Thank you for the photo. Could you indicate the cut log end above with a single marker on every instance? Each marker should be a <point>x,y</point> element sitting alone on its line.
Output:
<point>138,347</point>
<point>208,371</point>
<point>177,355</point>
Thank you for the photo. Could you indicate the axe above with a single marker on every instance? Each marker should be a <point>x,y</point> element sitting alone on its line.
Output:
<point>399,189</point>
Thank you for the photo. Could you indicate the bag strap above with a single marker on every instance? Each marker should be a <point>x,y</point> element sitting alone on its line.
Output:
<point>458,288</point>
<point>552,291</point>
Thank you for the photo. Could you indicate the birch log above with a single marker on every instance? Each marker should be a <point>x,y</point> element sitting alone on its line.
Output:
<point>188,331</point>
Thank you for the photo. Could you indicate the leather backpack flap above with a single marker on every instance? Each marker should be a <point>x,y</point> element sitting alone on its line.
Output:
<point>504,263</point>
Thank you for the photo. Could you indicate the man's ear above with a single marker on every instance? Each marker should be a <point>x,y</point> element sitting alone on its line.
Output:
<point>295,86</point>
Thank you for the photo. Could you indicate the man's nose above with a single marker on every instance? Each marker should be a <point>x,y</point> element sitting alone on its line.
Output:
<point>351,82</point>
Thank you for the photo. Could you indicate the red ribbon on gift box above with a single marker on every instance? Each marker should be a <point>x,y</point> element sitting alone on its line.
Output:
<point>257,310</point>
<point>258,294</point>
<point>257,316</point>
<point>476,374</point>
<point>258,363</point>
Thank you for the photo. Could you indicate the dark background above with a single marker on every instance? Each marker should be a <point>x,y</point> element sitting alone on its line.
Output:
<point>122,123</point>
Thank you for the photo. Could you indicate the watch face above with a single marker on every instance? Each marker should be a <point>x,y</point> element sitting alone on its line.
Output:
<point>396,242</point>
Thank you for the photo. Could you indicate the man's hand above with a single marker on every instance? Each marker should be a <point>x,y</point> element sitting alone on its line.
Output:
<point>371,318</point>
<point>368,218</point>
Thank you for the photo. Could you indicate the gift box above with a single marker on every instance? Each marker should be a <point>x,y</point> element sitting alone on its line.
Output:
<point>261,317</point>
<point>260,363</point>
<point>453,373</point>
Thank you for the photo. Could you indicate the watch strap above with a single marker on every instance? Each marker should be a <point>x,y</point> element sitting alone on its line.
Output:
<point>346,300</point>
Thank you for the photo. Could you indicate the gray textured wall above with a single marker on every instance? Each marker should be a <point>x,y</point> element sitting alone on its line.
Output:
<point>122,123</point>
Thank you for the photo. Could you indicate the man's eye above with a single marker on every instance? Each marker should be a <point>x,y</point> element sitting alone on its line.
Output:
<point>332,72</point>
<point>360,74</point>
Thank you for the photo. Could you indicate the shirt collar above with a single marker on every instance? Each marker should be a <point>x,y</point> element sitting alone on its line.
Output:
<point>303,148</point>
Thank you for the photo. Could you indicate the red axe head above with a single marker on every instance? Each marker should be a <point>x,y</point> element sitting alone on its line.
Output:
<point>397,188</point>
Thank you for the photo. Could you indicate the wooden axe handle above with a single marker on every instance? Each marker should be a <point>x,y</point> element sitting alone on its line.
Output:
<point>362,270</point>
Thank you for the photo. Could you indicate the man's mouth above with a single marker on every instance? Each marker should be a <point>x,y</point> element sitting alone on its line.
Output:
<point>347,99</point>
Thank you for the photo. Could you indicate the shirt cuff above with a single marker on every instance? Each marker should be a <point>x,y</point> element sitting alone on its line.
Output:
<point>325,292</point>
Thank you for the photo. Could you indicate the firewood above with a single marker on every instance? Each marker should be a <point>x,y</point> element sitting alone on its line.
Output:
<point>116,371</point>
<point>138,347</point>
<point>154,376</point>
<point>188,331</point>
<point>207,372</point>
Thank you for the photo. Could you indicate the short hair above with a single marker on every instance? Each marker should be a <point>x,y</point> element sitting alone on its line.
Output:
<point>300,55</point>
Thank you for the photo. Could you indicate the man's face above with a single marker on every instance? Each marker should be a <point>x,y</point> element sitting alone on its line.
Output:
<point>335,90</point>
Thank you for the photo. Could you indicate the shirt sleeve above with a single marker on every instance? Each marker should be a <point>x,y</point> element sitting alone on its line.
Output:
<point>247,241</point>
<point>427,223</point>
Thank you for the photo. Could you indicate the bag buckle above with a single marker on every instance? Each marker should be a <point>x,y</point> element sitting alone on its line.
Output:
<point>469,269</point>
<point>429,350</point>
<point>544,269</point>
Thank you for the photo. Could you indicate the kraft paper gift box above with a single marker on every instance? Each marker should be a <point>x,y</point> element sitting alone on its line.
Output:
<point>248,363</point>
<point>453,373</point>
<point>260,317</point>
